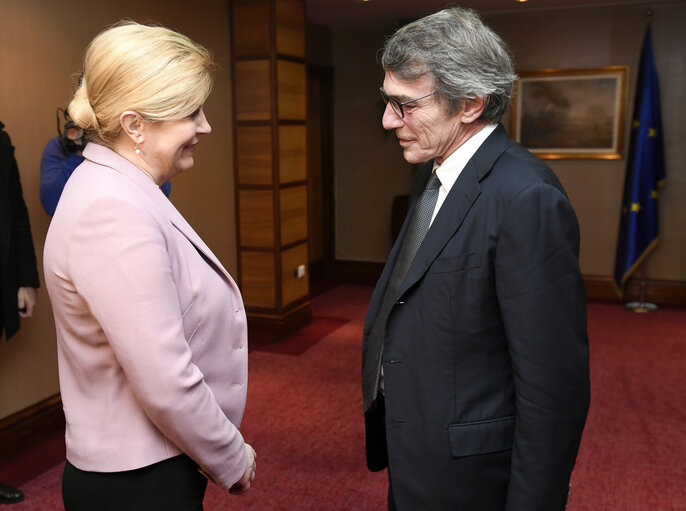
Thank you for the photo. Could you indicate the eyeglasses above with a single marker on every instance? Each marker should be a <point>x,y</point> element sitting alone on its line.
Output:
<point>396,105</point>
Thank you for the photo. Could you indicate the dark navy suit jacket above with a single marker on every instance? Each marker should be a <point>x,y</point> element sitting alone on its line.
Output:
<point>485,361</point>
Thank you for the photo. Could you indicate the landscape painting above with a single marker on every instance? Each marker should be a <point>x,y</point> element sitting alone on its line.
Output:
<point>571,113</point>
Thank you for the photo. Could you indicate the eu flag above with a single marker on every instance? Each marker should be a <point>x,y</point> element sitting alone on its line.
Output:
<point>645,173</point>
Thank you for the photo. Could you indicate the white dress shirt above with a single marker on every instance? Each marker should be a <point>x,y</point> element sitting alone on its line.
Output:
<point>456,162</point>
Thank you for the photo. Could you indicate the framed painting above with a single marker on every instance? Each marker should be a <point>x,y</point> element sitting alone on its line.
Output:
<point>571,113</point>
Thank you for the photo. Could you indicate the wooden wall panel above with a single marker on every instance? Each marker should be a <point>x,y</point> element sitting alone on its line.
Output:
<point>292,154</point>
<point>271,162</point>
<point>292,287</point>
<point>258,281</point>
<point>293,214</point>
<point>29,427</point>
<point>291,86</point>
<point>251,35</point>
<point>290,28</point>
<point>256,211</point>
<point>253,96</point>
<point>254,155</point>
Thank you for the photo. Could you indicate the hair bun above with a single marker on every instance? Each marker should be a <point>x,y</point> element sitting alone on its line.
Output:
<point>81,111</point>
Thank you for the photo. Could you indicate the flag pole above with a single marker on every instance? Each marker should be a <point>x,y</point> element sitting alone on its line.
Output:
<point>639,230</point>
<point>642,306</point>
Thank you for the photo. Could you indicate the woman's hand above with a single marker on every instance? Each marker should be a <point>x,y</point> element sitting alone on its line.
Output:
<point>243,484</point>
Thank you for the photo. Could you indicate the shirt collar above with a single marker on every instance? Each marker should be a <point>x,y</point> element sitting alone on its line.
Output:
<point>453,165</point>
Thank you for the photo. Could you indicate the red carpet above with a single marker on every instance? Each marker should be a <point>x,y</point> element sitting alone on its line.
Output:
<point>33,461</point>
<point>300,342</point>
<point>633,452</point>
<point>304,417</point>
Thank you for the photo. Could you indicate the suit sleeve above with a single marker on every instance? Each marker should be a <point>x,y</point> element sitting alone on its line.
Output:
<point>120,265</point>
<point>542,299</point>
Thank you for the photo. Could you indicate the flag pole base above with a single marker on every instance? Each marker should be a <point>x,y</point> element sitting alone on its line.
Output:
<point>641,307</point>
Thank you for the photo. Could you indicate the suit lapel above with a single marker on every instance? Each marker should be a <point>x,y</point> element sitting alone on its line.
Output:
<point>380,289</point>
<point>457,204</point>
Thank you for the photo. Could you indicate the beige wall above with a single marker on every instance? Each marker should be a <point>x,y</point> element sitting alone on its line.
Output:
<point>42,45</point>
<point>613,36</point>
<point>369,169</point>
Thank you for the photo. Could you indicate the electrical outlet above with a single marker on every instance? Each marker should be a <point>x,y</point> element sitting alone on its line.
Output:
<point>300,271</point>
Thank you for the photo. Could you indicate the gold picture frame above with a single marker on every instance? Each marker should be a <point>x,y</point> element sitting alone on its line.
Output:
<point>571,113</point>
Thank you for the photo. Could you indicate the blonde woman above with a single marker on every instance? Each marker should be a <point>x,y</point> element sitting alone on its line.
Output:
<point>151,331</point>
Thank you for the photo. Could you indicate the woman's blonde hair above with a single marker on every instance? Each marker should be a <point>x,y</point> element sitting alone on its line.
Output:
<point>152,70</point>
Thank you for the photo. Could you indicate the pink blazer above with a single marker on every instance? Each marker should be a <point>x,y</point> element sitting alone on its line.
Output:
<point>151,330</point>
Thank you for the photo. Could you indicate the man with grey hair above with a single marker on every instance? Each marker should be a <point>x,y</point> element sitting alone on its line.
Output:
<point>475,368</point>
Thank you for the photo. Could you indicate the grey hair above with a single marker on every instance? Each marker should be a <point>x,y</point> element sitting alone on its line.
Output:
<point>464,58</point>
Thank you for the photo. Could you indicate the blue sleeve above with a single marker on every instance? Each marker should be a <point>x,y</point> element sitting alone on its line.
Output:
<point>55,170</point>
<point>166,188</point>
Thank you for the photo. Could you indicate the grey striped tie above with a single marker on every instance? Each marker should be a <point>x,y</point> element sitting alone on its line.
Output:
<point>419,225</point>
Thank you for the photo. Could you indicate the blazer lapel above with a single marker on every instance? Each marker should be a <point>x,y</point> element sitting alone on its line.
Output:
<point>182,226</point>
<point>457,204</point>
<point>104,156</point>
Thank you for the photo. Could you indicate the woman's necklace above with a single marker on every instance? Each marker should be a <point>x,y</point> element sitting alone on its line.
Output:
<point>149,175</point>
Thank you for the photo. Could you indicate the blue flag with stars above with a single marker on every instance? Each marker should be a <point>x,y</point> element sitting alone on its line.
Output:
<point>645,173</point>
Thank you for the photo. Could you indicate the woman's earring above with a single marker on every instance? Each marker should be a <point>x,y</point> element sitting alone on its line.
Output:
<point>137,149</point>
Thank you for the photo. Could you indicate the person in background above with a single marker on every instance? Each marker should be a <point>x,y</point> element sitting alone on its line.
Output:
<point>475,369</point>
<point>18,270</point>
<point>151,329</point>
<point>62,154</point>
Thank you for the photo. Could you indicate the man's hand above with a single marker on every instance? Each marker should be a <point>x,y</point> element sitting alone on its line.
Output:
<point>244,484</point>
<point>26,301</point>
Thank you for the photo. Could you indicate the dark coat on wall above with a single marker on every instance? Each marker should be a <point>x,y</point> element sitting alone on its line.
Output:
<point>17,256</point>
